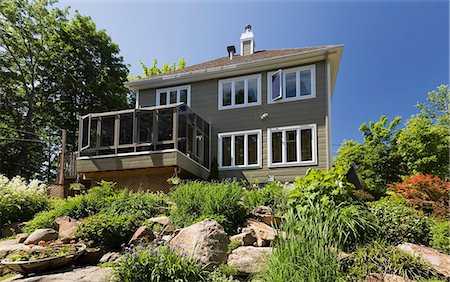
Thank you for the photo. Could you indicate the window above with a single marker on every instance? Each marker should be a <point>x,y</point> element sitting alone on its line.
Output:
<point>292,145</point>
<point>291,84</point>
<point>240,92</point>
<point>174,95</point>
<point>240,149</point>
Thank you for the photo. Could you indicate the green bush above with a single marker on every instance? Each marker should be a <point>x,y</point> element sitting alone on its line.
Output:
<point>440,236</point>
<point>107,229</point>
<point>399,222</point>
<point>19,201</point>
<point>157,264</point>
<point>195,200</point>
<point>379,257</point>
<point>273,195</point>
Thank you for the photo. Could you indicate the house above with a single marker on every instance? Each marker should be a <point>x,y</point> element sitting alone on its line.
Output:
<point>263,114</point>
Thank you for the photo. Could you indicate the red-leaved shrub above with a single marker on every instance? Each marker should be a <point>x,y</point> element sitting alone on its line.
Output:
<point>426,192</point>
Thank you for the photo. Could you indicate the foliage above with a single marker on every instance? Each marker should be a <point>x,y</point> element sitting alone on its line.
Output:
<point>440,235</point>
<point>398,222</point>
<point>53,70</point>
<point>19,201</point>
<point>220,276</point>
<point>157,263</point>
<point>306,251</point>
<point>200,200</point>
<point>34,253</point>
<point>154,70</point>
<point>273,194</point>
<point>379,257</point>
<point>107,229</point>
<point>426,192</point>
<point>437,108</point>
<point>322,186</point>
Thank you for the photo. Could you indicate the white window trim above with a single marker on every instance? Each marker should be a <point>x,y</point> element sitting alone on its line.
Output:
<point>298,128</point>
<point>232,135</point>
<point>283,81</point>
<point>178,89</point>
<point>233,81</point>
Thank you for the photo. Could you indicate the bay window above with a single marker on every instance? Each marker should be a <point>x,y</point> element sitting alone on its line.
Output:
<point>240,149</point>
<point>239,92</point>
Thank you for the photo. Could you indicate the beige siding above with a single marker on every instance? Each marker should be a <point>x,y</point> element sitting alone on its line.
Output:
<point>204,100</point>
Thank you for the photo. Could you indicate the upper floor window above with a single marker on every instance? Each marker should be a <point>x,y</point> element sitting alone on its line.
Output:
<point>291,84</point>
<point>240,149</point>
<point>174,95</point>
<point>240,92</point>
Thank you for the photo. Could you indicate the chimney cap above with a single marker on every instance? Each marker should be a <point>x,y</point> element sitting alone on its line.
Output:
<point>231,49</point>
<point>248,27</point>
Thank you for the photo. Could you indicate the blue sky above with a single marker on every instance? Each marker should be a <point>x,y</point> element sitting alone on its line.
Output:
<point>394,52</point>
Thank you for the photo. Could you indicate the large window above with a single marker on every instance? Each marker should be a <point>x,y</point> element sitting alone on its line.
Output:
<point>291,84</point>
<point>240,149</point>
<point>292,145</point>
<point>173,95</point>
<point>240,92</point>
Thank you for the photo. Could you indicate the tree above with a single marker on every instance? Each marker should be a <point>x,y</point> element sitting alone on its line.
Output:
<point>154,70</point>
<point>52,70</point>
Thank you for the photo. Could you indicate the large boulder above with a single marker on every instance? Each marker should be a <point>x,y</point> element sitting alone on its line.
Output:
<point>248,259</point>
<point>264,214</point>
<point>244,239</point>
<point>264,233</point>
<point>46,234</point>
<point>21,237</point>
<point>439,261</point>
<point>205,241</point>
<point>143,236</point>
<point>66,227</point>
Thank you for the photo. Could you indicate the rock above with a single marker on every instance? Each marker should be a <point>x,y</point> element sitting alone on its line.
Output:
<point>244,239</point>
<point>205,241</point>
<point>46,234</point>
<point>166,238</point>
<point>264,234</point>
<point>21,237</point>
<point>264,214</point>
<point>378,277</point>
<point>143,236</point>
<point>82,274</point>
<point>161,220</point>
<point>438,261</point>
<point>111,256</point>
<point>66,227</point>
<point>92,256</point>
<point>11,229</point>
<point>248,259</point>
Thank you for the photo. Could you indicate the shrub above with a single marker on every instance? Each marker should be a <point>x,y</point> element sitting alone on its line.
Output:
<point>19,201</point>
<point>426,192</point>
<point>157,264</point>
<point>440,233</point>
<point>273,195</point>
<point>199,200</point>
<point>107,229</point>
<point>398,222</point>
<point>378,257</point>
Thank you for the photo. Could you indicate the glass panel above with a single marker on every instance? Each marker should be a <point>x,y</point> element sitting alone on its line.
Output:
<point>183,96</point>
<point>226,151</point>
<point>126,129</point>
<point>93,133</point>
<point>190,138</point>
<point>239,150</point>
<point>199,146</point>
<point>252,90</point>
<point>305,83</point>
<point>306,139</point>
<point>226,88</point>
<point>276,85</point>
<point>107,132</point>
<point>182,127</point>
<point>163,98</point>
<point>252,149</point>
<point>85,132</point>
<point>165,124</point>
<point>206,152</point>
<point>173,97</point>
<point>145,126</point>
<point>239,92</point>
<point>276,147</point>
<point>291,85</point>
<point>291,145</point>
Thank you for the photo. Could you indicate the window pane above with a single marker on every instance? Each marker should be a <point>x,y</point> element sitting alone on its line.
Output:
<point>85,132</point>
<point>165,124</point>
<point>173,97</point>
<point>291,85</point>
<point>226,151</point>
<point>183,96</point>
<point>239,150</point>
<point>276,147</point>
<point>93,133</point>
<point>276,84</point>
<point>239,92</point>
<point>291,145</point>
<point>252,90</point>
<point>253,149</point>
<point>163,98</point>
<point>145,126</point>
<point>226,94</point>
<point>107,132</point>
<point>126,129</point>
<point>306,136</point>
<point>182,131</point>
<point>199,148</point>
<point>190,138</point>
<point>305,83</point>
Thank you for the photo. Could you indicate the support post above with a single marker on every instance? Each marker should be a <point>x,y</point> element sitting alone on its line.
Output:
<point>62,156</point>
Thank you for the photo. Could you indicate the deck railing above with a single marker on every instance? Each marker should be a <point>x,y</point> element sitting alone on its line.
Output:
<point>152,129</point>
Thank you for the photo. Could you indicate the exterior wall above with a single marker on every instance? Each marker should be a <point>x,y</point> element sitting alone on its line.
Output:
<point>204,100</point>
